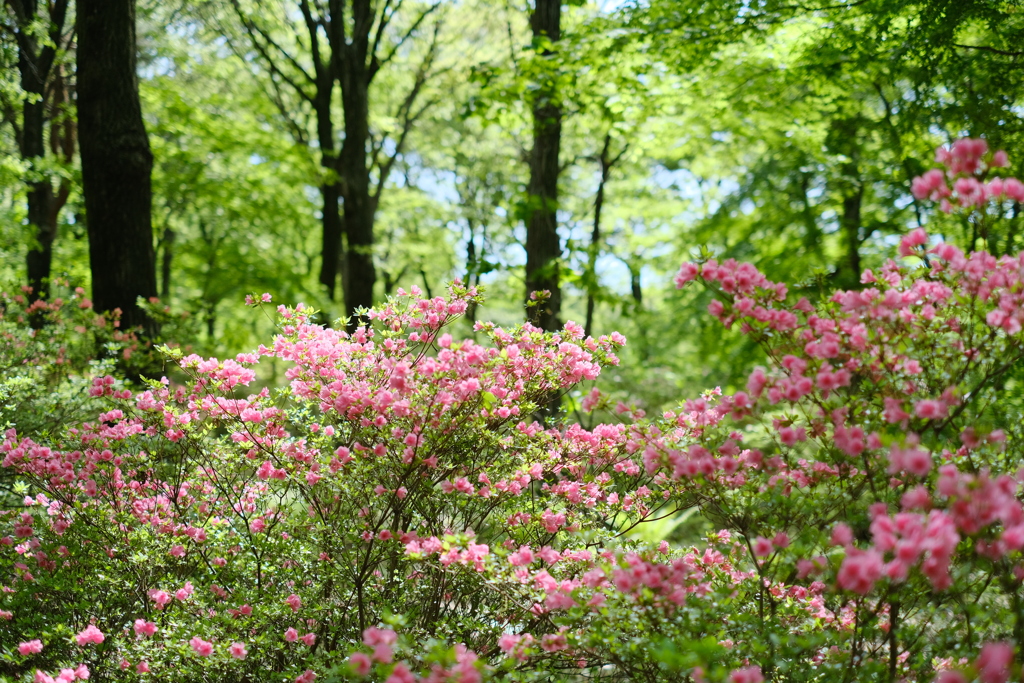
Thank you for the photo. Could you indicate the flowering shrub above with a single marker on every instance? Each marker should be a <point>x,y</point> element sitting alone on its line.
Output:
<point>396,514</point>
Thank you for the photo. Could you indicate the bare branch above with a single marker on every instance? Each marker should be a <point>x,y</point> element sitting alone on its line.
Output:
<point>376,65</point>
<point>277,98</point>
<point>385,19</point>
<point>313,27</point>
<point>987,48</point>
<point>252,29</point>
<point>57,17</point>
<point>407,114</point>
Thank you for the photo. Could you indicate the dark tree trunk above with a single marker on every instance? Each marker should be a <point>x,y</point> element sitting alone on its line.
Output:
<point>851,232</point>
<point>331,249</point>
<point>354,76</point>
<point>543,246</point>
<point>116,160</point>
<point>40,195</point>
<point>843,138</point>
<point>35,64</point>
<point>330,191</point>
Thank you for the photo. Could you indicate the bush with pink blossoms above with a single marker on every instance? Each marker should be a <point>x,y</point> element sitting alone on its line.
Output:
<point>398,512</point>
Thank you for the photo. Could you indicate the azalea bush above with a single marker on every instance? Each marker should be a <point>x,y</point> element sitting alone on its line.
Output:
<point>405,509</point>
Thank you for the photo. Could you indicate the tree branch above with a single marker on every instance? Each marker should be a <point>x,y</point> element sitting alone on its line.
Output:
<point>313,28</point>
<point>385,19</point>
<point>252,29</point>
<point>405,112</point>
<point>376,65</point>
<point>986,48</point>
<point>57,17</point>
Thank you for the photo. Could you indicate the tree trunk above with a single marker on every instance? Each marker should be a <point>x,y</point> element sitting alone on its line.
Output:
<point>851,231</point>
<point>353,168</point>
<point>165,266</point>
<point>543,247</point>
<point>116,161</point>
<point>40,193</point>
<point>330,190</point>
<point>34,65</point>
<point>595,236</point>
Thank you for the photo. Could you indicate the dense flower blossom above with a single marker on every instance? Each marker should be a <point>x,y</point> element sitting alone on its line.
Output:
<point>91,634</point>
<point>400,474</point>
<point>201,647</point>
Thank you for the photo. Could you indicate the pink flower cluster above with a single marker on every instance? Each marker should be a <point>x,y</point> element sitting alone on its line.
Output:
<point>967,161</point>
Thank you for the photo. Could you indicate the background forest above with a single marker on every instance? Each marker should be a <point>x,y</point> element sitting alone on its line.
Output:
<point>335,151</point>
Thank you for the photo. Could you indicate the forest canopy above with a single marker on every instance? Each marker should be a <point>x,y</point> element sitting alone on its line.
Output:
<point>334,152</point>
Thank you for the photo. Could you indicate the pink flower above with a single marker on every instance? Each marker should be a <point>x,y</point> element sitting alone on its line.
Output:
<point>860,570</point>
<point>521,557</point>
<point>750,674</point>
<point>144,628</point>
<point>929,409</point>
<point>237,650</point>
<point>841,535</point>
<point>177,551</point>
<point>994,663</point>
<point>309,639</point>
<point>762,547</point>
<point>306,677</point>
<point>91,634</point>
<point>291,635</point>
<point>687,272</point>
<point>161,598</point>
<point>30,647</point>
<point>201,647</point>
<point>294,601</point>
<point>400,674</point>
<point>508,641</point>
<point>916,237</point>
<point>360,663</point>
<point>142,667</point>
<point>185,592</point>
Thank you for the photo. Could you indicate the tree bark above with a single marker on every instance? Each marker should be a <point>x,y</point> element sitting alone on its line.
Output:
<point>543,246</point>
<point>34,65</point>
<point>843,139</point>
<point>116,161</point>
<point>330,190</point>
<point>851,231</point>
<point>354,76</point>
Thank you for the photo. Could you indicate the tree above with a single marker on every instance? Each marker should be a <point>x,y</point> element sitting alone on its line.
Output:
<point>116,160</point>
<point>543,245</point>
<point>304,55</point>
<point>38,68</point>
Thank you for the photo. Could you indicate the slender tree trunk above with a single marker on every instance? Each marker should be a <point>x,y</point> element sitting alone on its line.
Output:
<point>543,246</point>
<point>472,269</point>
<point>116,160</point>
<point>595,236</point>
<point>165,264</point>
<point>851,231</point>
<point>354,170</point>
